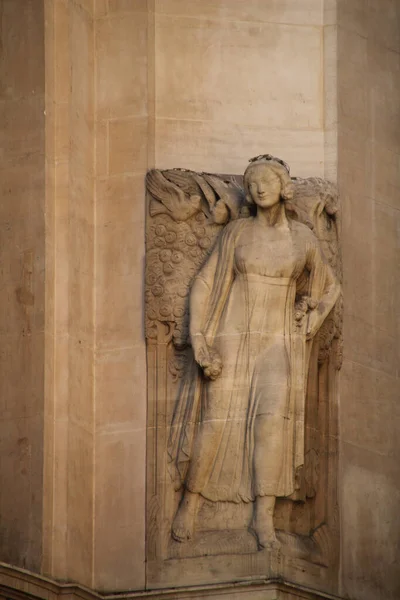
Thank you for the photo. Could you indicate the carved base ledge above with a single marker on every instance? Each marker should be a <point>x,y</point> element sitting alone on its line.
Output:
<point>242,542</point>
<point>18,584</point>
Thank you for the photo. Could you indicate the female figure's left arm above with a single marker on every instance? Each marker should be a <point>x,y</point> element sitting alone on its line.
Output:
<point>324,288</point>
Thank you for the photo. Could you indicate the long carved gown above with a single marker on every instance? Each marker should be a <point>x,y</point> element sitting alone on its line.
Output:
<point>242,435</point>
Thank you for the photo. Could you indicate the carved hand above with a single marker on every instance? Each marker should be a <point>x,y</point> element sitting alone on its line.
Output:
<point>314,323</point>
<point>213,369</point>
<point>208,359</point>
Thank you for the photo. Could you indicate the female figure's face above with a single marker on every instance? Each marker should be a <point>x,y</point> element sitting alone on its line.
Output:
<point>264,186</point>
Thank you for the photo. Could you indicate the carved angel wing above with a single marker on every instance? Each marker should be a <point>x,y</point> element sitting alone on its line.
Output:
<point>230,201</point>
<point>181,232</point>
<point>316,204</point>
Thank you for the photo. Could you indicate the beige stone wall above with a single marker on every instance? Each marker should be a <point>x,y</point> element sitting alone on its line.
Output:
<point>22,280</point>
<point>57,68</point>
<point>369,180</point>
<point>235,79</point>
<point>132,84</point>
<point>68,467</point>
<point>121,43</point>
<point>96,103</point>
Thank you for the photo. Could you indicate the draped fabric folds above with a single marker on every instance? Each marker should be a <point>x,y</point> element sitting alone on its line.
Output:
<point>231,477</point>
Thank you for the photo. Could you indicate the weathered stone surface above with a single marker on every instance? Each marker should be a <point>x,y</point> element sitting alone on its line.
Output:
<point>132,85</point>
<point>242,318</point>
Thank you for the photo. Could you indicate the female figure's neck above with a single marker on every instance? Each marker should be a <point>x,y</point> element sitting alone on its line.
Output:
<point>273,216</point>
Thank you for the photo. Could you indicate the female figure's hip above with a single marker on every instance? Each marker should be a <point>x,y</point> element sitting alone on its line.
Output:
<point>270,385</point>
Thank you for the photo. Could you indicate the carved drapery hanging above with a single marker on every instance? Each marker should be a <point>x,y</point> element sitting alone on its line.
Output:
<point>243,326</point>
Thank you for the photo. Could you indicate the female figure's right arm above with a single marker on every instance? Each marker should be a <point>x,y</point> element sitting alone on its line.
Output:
<point>199,305</point>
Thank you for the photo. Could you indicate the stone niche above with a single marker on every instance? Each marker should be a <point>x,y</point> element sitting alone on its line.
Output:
<point>242,443</point>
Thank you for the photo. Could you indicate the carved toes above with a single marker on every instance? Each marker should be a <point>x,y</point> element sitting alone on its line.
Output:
<point>180,533</point>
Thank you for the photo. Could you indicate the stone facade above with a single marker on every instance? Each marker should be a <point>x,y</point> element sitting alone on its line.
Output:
<point>22,223</point>
<point>96,93</point>
<point>369,182</point>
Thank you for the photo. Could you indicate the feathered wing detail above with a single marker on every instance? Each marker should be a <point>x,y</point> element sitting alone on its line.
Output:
<point>166,197</point>
<point>231,198</point>
<point>162,190</point>
<point>185,180</point>
<point>209,193</point>
<point>181,232</point>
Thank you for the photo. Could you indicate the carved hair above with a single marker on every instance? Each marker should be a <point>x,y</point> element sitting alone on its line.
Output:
<point>278,167</point>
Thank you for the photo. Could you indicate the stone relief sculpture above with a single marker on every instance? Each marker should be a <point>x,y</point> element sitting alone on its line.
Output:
<point>242,278</point>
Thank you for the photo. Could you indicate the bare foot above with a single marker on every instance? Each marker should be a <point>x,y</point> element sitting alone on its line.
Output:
<point>263,523</point>
<point>183,525</point>
<point>267,539</point>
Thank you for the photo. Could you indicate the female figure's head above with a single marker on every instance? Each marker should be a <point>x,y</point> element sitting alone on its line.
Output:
<point>267,182</point>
